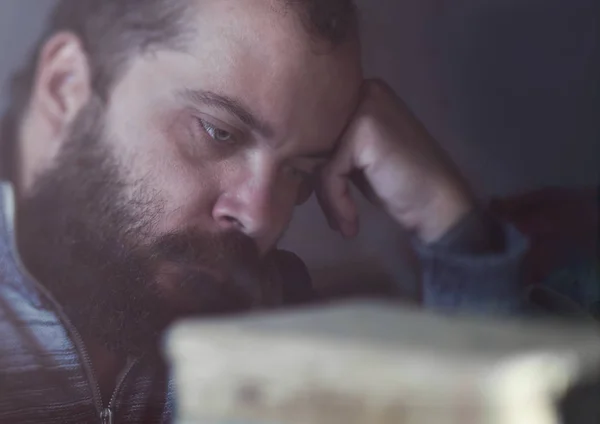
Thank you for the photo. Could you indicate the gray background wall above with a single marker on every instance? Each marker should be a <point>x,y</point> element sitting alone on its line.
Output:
<point>509,88</point>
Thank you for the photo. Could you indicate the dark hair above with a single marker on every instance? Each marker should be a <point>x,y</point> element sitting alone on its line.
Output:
<point>113,30</point>
<point>334,21</point>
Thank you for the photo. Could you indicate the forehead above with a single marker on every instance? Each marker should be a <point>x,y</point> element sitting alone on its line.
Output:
<point>258,52</point>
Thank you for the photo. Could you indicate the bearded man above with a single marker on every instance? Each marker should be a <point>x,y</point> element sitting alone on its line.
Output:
<point>153,154</point>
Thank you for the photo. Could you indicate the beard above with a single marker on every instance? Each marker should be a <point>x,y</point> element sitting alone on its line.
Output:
<point>87,235</point>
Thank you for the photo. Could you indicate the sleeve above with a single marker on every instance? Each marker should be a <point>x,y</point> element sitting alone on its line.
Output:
<point>477,267</point>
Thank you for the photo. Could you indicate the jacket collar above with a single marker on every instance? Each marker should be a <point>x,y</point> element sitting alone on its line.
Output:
<point>24,283</point>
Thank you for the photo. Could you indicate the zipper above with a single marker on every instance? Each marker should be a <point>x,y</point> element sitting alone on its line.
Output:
<point>105,414</point>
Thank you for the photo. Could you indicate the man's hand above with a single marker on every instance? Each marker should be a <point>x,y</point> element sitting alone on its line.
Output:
<point>395,162</point>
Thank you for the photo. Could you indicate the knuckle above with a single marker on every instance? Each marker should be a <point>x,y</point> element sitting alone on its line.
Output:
<point>368,126</point>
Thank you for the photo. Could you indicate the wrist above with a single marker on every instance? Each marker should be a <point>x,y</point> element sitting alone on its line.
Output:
<point>442,213</point>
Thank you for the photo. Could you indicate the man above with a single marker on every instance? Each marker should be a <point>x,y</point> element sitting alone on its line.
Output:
<point>157,149</point>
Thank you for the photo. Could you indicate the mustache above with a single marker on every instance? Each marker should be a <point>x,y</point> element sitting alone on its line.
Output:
<point>217,249</point>
<point>224,270</point>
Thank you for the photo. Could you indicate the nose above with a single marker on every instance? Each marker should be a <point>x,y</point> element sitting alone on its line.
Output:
<point>247,206</point>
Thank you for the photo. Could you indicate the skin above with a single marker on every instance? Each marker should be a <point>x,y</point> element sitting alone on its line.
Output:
<point>253,180</point>
<point>302,119</point>
<point>164,130</point>
<point>397,165</point>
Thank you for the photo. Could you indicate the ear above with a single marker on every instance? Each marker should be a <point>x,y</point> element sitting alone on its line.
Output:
<point>62,85</point>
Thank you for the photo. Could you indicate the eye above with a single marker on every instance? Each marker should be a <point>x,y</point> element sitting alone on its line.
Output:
<point>215,133</point>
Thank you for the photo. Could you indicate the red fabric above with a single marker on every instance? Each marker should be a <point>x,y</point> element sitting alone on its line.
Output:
<point>560,223</point>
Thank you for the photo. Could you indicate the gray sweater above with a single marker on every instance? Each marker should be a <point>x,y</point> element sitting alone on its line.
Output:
<point>45,371</point>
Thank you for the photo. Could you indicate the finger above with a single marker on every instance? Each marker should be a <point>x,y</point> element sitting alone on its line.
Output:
<point>327,211</point>
<point>339,217</point>
<point>359,179</point>
<point>334,192</point>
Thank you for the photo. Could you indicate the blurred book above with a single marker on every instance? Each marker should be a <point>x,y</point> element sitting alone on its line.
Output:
<point>377,363</point>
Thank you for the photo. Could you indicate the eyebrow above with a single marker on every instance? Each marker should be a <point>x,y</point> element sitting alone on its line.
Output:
<point>229,105</point>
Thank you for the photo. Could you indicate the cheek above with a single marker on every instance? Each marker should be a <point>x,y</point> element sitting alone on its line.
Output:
<point>185,188</point>
<point>189,192</point>
<point>156,153</point>
<point>188,197</point>
<point>287,196</point>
